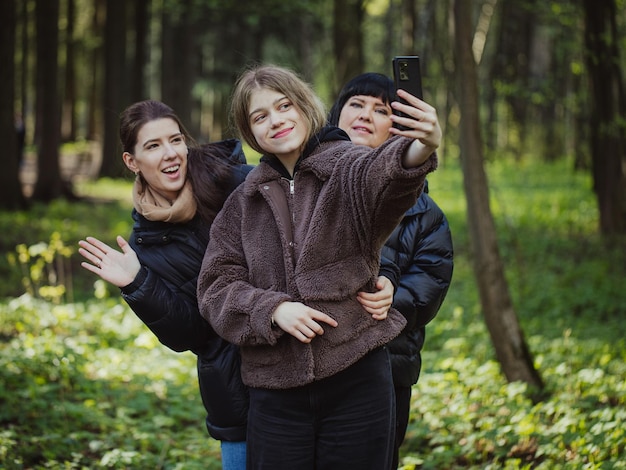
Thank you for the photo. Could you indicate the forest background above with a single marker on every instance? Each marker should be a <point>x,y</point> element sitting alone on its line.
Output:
<point>530,95</point>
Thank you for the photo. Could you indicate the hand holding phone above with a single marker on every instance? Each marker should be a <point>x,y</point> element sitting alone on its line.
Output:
<point>407,76</point>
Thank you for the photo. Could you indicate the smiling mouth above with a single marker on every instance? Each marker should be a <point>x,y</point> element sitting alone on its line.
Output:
<point>171,169</point>
<point>362,129</point>
<point>282,133</point>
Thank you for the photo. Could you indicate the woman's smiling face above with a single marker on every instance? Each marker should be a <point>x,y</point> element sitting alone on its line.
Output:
<point>277,124</point>
<point>160,155</point>
<point>366,120</point>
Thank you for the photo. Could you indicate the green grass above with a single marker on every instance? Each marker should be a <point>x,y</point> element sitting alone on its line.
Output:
<point>83,384</point>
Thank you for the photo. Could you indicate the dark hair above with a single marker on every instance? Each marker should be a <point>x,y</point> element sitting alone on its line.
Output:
<point>210,171</point>
<point>281,80</point>
<point>366,84</point>
<point>133,118</point>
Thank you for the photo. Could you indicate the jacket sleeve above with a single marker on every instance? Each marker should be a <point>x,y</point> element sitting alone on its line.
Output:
<point>381,188</point>
<point>424,282</point>
<point>170,314</point>
<point>390,270</point>
<point>239,312</point>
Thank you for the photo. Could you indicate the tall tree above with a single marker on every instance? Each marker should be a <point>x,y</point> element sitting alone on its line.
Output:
<point>68,123</point>
<point>506,334</point>
<point>141,27</point>
<point>607,116</point>
<point>347,40</point>
<point>11,196</point>
<point>510,65</point>
<point>114,72</point>
<point>94,82</point>
<point>179,54</point>
<point>48,115</point>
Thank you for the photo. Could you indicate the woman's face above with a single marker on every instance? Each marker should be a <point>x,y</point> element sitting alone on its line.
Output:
<point>277,124</point>
<point>366,120</point>
<point>160,154</point>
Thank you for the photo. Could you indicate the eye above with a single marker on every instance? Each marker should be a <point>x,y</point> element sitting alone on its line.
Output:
<point>284,106</point>
<point>355,104</point>
<point>152,146</point>
<point>178,140</point>
<point>383,111</point>
<point>256,118</point>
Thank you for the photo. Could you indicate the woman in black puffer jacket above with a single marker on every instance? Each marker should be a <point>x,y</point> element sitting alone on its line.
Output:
<point>420,247</point>
<point>177,193</point>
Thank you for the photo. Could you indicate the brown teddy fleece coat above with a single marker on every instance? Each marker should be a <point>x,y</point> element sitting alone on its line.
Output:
<point>315,239</point>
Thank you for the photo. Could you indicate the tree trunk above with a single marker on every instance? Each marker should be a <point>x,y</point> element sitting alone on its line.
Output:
<point>48,117</point>
<point>11,196</point>
<point>506,334</point>
<point>94,114</point>
<point>347,40</point>
<point>606,116</point>
<point>68,124</point>
<point>114,73</point>
<point>178,59</point>
<point>409,28</point>
<point>511,67</point>
<point>141,21</point>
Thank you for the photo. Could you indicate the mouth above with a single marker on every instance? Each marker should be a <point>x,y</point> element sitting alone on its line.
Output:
<point>282,133</point>
<point>170,170</point>
<point>361,130</point>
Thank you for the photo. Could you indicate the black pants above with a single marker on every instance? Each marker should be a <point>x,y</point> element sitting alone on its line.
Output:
<point>403,406</point>
<point>344,421</point>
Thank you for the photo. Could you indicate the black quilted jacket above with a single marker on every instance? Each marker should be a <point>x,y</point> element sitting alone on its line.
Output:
<point>163,296</point>
<point>421,247</point>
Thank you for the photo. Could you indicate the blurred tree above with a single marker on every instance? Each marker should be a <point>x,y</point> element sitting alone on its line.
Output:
<point>348,40</point>
<point>506,334</point>
<point>115,74</point>
<point>607,116</point>
<point>510,70</point>
<point>140,30</point>
<point>48,109</point>
<point>179,57</point>
<point>68,122</point>
<point>94,79</point>
<point>11,196</point>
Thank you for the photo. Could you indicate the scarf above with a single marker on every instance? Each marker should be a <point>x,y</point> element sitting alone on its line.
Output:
<point>153,206</point>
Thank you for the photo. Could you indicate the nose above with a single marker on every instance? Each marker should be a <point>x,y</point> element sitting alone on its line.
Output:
<point>365,114</point>
<point>170,151</point>
<point>276,120</point>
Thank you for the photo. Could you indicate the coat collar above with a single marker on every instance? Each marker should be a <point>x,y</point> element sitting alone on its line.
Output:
<point>319,156</point>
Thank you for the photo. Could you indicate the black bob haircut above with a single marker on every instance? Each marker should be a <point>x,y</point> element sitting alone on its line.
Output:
<point>366,84</point>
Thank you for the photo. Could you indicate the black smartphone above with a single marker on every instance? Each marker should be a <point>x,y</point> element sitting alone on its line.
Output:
<point>407,76</point>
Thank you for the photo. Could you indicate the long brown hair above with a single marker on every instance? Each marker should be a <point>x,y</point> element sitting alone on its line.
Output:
<point>210,171</point>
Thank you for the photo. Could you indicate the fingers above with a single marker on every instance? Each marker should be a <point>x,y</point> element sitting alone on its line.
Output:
<point>420,120</point>
<point>123,244</point>
<point>301,321</point>
<point>95,252</point>
<point>90,253</point>
<point>95,247</point>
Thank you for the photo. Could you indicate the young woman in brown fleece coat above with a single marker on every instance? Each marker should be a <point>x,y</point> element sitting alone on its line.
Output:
<point>287,256</point>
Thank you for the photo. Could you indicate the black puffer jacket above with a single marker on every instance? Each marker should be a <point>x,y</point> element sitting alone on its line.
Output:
<point>163,295</point>
<point>421,247</point>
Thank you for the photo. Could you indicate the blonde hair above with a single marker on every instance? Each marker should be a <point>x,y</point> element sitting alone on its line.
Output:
<point>281,80</point>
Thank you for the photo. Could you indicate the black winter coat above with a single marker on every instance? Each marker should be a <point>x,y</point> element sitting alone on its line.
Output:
<point>163,296</point>
<point>421,247</point>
